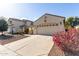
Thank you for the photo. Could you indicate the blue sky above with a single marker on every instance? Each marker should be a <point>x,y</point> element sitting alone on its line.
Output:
<point>33,11</point>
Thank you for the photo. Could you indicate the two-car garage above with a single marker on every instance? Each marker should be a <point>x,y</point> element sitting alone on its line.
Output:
<point>48,24</point>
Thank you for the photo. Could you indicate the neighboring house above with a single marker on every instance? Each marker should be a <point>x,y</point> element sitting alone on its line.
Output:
<point>17,25</point>
<point>48,24</point>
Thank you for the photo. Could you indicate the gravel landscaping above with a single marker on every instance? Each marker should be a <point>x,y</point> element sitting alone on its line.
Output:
<point>56,51</point>
<point>10,38</point>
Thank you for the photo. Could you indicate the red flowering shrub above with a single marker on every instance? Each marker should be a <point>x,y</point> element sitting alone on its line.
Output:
<point>67,41</point>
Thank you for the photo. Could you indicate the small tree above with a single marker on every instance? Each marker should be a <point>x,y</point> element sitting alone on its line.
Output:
<point>3,25</point>
<point>69,22</point>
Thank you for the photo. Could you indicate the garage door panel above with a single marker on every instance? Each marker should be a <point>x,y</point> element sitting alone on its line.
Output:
<point>49,30</point>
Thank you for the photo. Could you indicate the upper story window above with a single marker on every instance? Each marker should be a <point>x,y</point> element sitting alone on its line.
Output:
<point>60,23</point>
<point>45,19</point>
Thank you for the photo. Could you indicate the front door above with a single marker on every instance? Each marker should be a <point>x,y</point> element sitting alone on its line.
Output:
<point>27,31</point>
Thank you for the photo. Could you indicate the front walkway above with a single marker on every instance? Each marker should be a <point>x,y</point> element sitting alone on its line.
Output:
<point>34,45</point>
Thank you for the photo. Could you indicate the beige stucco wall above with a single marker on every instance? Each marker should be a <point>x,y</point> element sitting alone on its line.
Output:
<point>28,23</point>
<point>50,19</point>
<point>16,25</point>
<point>48,30</point>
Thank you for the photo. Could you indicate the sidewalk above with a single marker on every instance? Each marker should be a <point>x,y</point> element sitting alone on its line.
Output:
<point>6,52</point>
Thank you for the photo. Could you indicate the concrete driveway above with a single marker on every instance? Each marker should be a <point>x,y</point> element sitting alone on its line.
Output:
<point>34,45</point>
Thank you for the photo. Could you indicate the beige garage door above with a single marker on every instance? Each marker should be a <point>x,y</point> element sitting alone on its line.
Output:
<point>49,30</point>
<point>44,30</point>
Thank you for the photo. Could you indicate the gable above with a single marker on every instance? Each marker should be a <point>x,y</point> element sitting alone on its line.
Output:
<point>48,18</point>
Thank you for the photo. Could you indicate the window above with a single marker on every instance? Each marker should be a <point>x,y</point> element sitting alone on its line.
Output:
<point>56,24</point>
<point>60,23</point>
<point>45,19</point>
<point>10,22</point>
<point>53,24</point>
<point>31,23</point>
